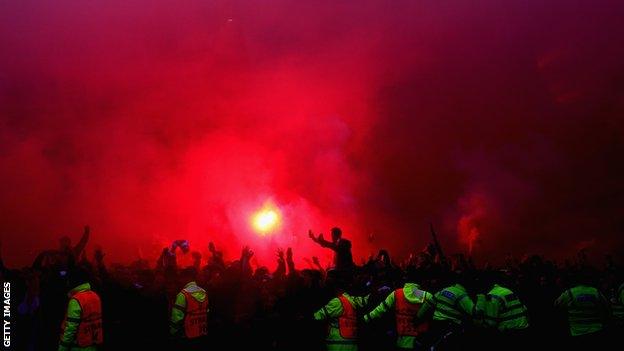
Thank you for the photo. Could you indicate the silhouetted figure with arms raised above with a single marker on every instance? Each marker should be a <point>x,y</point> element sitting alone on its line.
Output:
<point>343,260</point>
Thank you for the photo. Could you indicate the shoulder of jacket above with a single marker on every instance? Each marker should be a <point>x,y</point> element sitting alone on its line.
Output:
<point>194,289</point>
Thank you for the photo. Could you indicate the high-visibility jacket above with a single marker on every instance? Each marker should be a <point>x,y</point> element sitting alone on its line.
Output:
<point>342,329</point>
<point>82,326</point>
<point>347,322</point>
<point>406,304</point>
<point>189,314</point>
<point>505,310</point>
<point>406,312</point>
<point>453,304</point>
<point>617,304</point>
<point>587,309</point>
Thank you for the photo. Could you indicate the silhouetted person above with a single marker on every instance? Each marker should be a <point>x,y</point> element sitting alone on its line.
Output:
<point>343,260</point>
<point>76,251</point>
<point>66,255</point>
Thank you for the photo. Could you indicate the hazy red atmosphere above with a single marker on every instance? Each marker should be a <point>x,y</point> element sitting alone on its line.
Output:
<point>501,122</point>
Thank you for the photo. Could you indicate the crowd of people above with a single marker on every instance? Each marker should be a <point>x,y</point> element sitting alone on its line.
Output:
<point>67,301</point>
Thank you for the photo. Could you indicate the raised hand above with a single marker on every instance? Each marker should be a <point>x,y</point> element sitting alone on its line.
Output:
<point>247,253</point>
<point>182,244</point>
<point>289,260</point>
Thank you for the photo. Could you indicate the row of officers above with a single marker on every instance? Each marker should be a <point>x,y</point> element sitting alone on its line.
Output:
<point>423,320</point>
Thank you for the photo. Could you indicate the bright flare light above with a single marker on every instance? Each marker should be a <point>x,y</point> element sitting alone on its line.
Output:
<point>266,220</point>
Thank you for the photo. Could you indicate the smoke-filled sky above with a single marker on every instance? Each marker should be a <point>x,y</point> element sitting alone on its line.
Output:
<point>501,122</point>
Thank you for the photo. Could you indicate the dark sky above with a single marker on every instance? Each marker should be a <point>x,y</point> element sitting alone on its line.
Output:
<point>502,122</point>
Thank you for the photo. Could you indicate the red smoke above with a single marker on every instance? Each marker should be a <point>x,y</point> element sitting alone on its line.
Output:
<point>152,122</point>
<point>468,228</point>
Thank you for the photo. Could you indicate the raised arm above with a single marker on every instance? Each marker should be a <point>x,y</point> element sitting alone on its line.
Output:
<point>290,262</point>
<point>79,248</point>
<point>246,255</point>
<point>98,254</point>
<point>280,271</point>
<point>321,240</point>
<point>317,264</point>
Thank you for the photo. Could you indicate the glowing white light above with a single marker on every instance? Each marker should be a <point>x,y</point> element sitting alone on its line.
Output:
<point>266,220</point>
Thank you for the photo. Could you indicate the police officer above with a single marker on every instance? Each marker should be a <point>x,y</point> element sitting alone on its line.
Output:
<point>587,311</point>
<point>452,309</point>
<point>502,311</point>
<point>340,312</point>
<point>405,303</point>
<point>82,326</point>
<point>189,313</point>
